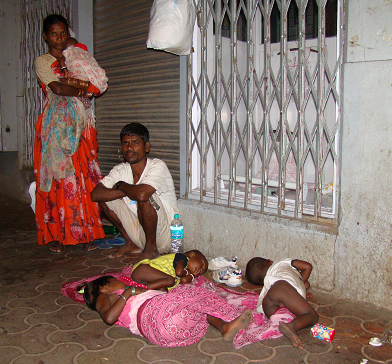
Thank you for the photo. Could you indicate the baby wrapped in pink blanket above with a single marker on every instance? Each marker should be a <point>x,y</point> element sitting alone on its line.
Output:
<point>83,66</point>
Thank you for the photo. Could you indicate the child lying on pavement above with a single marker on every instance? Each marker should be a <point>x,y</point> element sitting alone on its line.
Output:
<point>261,328</point>
<point>179,317</point>
<point>285,284</point>
<point>167,271</point>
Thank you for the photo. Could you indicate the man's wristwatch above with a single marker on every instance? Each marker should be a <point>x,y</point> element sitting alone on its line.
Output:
<point>118,184</point>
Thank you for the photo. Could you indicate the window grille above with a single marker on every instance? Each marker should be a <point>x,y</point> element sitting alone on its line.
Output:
<point>33,13</point>
<point>263,106</point>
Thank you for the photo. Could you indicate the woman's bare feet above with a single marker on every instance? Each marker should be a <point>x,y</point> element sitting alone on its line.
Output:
<point>231,329</point>
<point>56,248</point>
<point>290,333</point>
<point>89,247</point>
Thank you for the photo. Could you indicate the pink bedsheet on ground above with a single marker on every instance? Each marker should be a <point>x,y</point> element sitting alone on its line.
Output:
<point>261,328</point>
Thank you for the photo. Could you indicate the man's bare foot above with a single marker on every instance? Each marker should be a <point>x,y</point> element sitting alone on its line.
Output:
<point>147,254</point>
<point>231,329</point>
<point>127,248</point>
<point>287,331</point>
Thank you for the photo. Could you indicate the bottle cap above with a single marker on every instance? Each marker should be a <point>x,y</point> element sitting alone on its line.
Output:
<point>176,216</point>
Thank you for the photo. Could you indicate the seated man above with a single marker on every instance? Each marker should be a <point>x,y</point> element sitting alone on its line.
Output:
<point>138,197</point>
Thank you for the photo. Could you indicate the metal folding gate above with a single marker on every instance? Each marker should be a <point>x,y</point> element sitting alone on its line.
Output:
<point>143,83</point>
<point>264,106</point>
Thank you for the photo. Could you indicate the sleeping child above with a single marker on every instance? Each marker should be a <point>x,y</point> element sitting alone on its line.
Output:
<point>167,271</point>
<point>285,284</point>
<point>79,64</point>
<point>177,318</point>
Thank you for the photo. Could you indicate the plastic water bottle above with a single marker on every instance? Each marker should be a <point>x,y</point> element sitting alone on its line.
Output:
<point>177,235</point>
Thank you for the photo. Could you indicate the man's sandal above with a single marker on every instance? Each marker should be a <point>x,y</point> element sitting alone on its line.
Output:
<point>118,240</point>
<point>102,244</point>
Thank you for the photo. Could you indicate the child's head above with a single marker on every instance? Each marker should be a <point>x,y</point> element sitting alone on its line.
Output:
<point>92,290</point>
<point>71,41</point>
<point>256,269</point>
<point>197,262</point>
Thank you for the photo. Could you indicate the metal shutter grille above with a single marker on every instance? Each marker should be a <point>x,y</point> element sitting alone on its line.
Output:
<point>143,84</point>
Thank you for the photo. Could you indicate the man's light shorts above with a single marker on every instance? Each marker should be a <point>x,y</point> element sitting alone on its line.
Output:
<point>133,228</point>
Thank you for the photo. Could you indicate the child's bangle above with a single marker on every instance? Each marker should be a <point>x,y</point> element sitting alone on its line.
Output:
<point>133,289</point>
<point>120,295</point>
<point>189,274</point>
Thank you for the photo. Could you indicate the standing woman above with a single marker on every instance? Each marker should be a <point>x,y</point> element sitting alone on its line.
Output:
<point>65,152</point>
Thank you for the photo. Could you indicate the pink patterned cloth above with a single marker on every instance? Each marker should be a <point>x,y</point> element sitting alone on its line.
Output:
<point>83,66</point>
<point>261,328</point>
<point>179,317</point>
<point>128,316</point>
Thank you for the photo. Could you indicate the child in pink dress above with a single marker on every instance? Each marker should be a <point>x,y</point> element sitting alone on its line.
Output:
<point>178,318</point>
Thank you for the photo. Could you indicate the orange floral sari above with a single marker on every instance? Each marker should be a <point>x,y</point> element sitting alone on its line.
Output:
<point>66,213</point>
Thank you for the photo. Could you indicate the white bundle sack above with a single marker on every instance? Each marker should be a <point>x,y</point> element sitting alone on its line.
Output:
<point>32,190</point>
<point>171,26</point>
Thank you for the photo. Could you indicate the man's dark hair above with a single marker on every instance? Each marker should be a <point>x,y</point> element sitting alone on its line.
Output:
<point>136,129</point>
<point>53,19</point>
